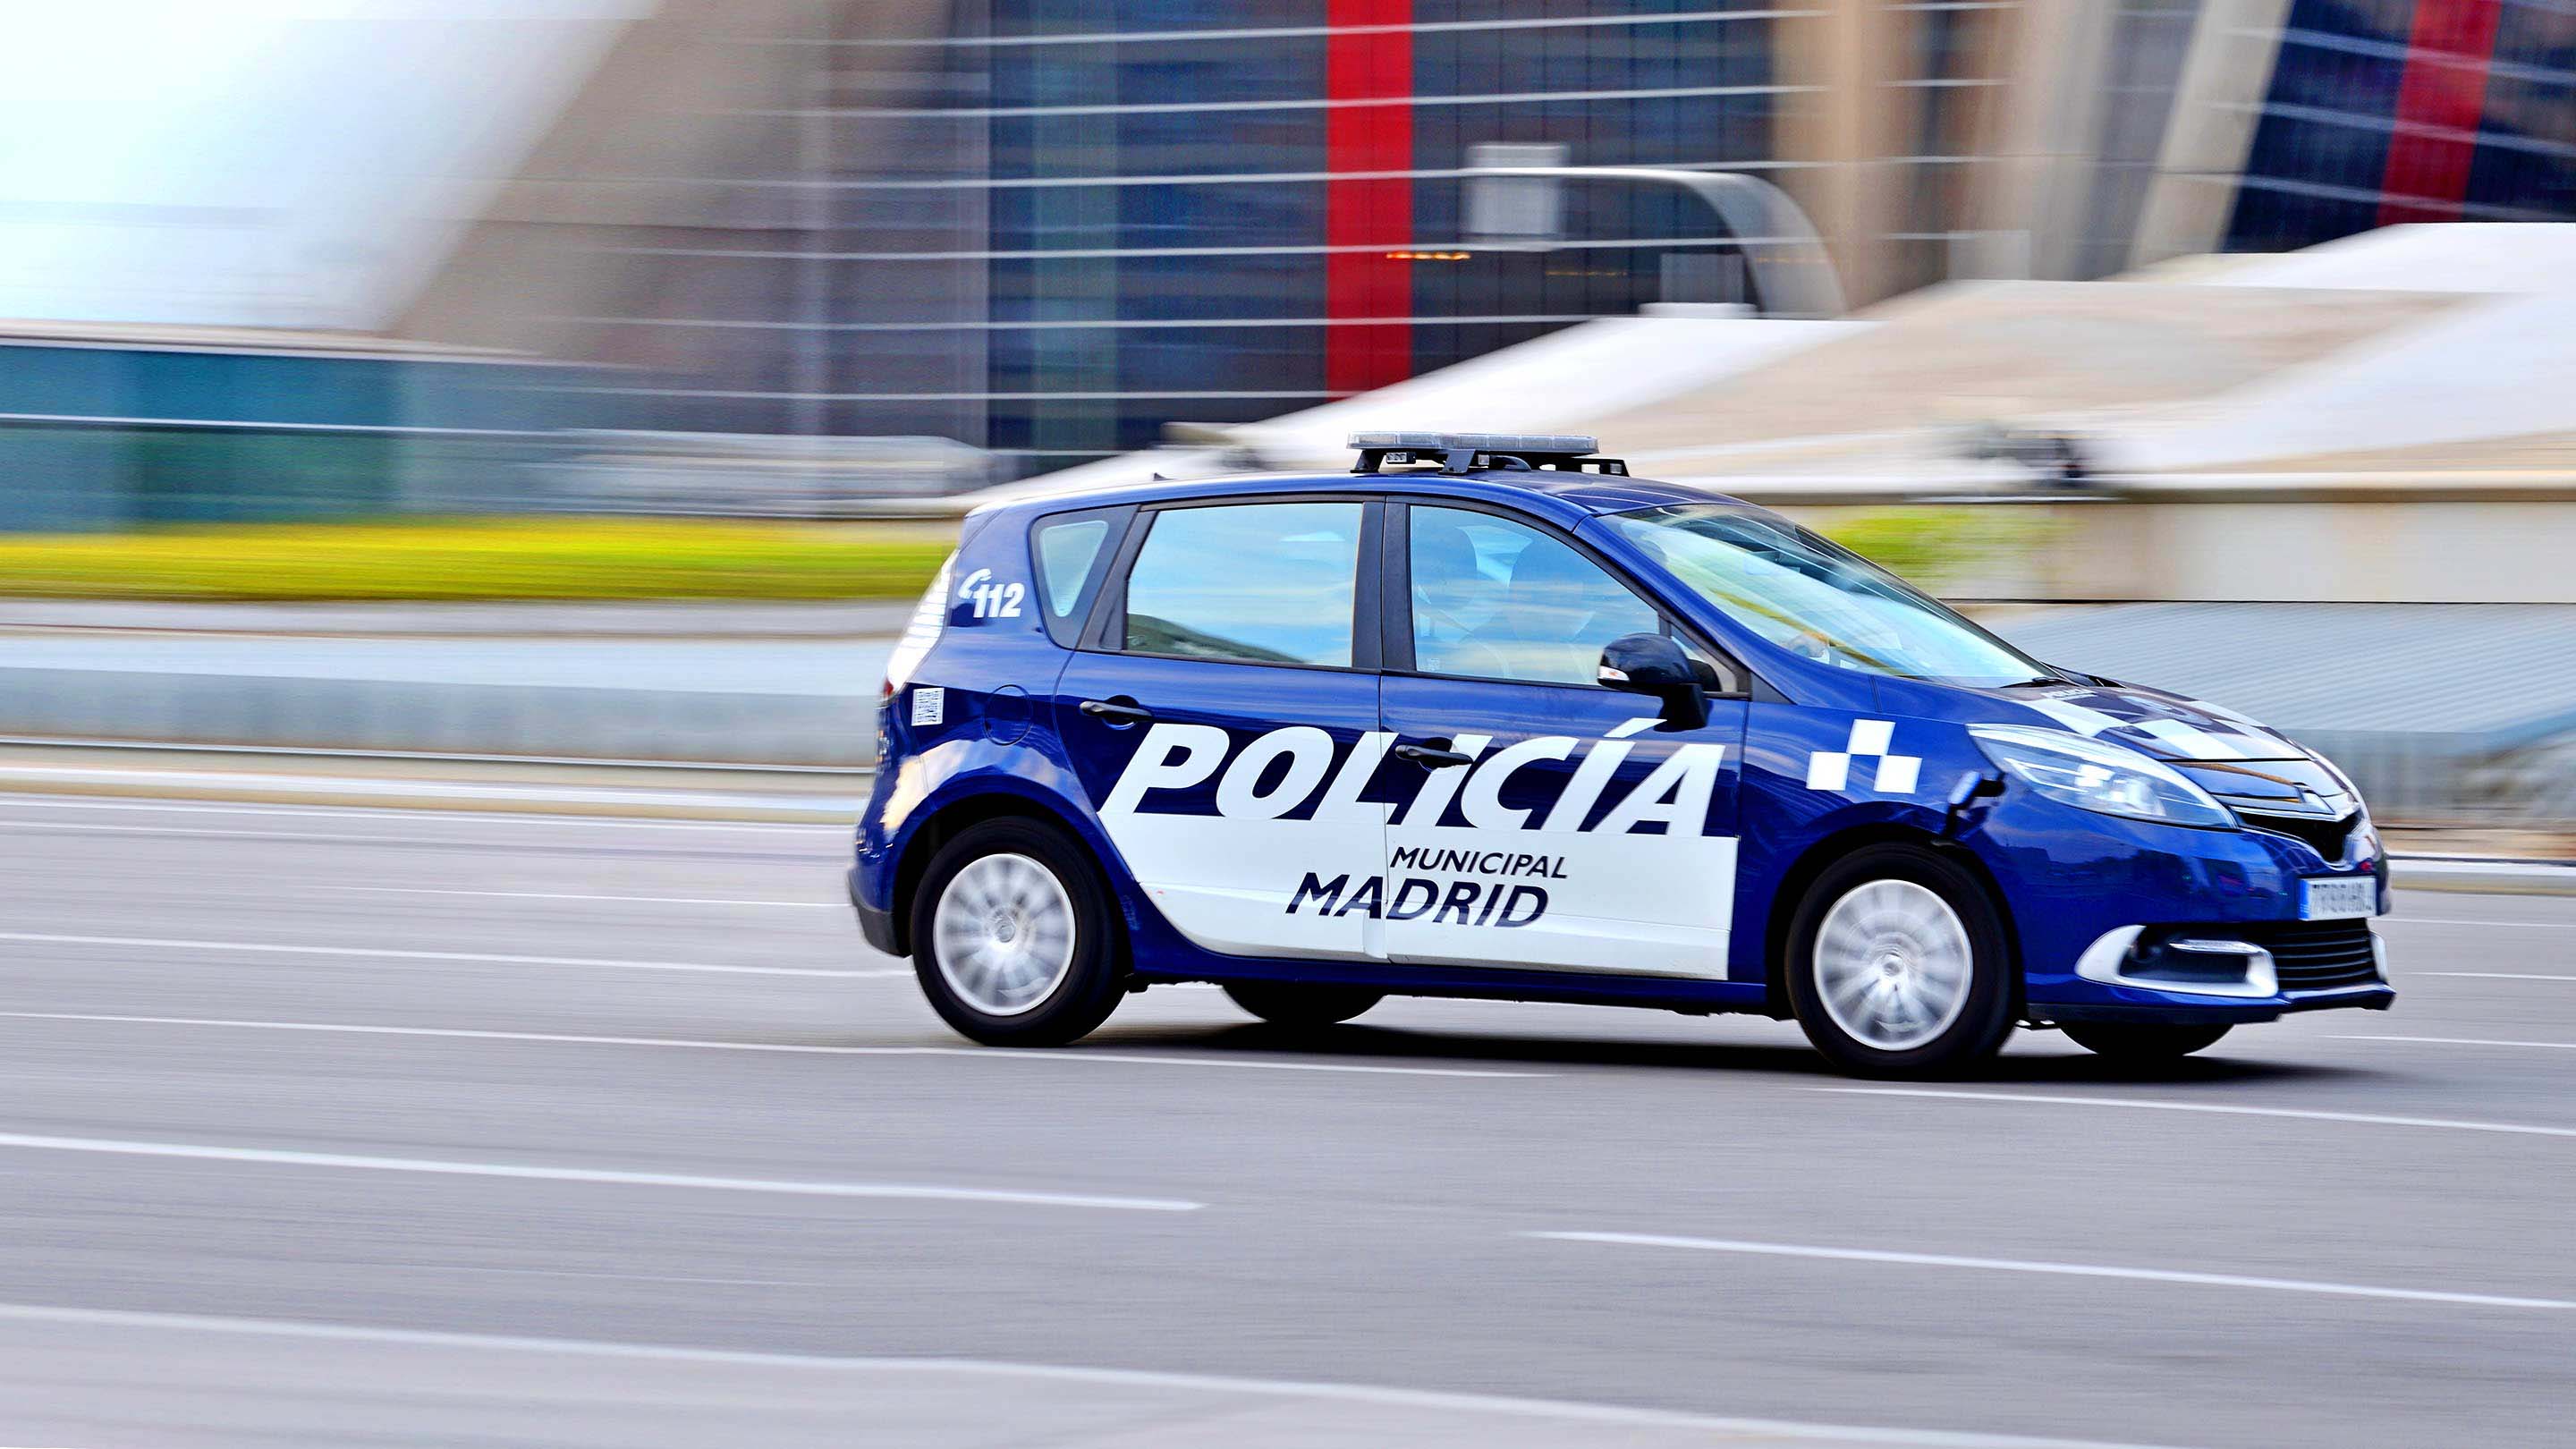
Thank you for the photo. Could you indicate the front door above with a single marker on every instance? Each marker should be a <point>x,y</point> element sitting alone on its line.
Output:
<point>1554,823</point>
<point>1223,722</point>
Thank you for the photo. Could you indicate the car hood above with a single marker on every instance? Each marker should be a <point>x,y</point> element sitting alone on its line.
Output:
<point>2242,762</point>
<point>2151,721</point>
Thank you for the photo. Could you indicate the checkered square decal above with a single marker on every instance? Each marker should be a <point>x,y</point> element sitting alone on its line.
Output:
<point>1871,741</point>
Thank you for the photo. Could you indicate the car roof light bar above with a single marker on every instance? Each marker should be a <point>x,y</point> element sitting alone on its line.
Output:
<point>1481,452</point>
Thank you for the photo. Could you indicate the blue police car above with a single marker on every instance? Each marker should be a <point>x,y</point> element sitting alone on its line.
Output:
<point>1488,717</point>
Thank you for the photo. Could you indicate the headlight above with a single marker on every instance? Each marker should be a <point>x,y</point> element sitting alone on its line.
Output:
<point>2097,775</point>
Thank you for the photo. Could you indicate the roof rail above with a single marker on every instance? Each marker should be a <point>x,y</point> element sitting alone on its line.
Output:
<point>1481,452</point>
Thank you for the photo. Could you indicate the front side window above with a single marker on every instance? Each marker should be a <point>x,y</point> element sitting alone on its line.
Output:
<point>1815,599</point>
<point>1258,583</point>
<point>1494,599</point>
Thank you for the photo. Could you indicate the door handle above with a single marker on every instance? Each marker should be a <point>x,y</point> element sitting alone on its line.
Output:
<point>1434,756</point>
<point>1120,711</point>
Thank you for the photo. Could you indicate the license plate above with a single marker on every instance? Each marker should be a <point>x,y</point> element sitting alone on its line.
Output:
<point>2338,899</point>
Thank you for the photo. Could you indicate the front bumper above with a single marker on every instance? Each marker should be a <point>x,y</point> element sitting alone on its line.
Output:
<point>2084,889</point>
<point>2241,971</point>
<point>2159,1007</point>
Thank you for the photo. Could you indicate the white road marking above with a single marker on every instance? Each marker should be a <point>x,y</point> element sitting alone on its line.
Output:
<point>586,896</point>
<point>2458,921</point>
<point>2374,1119</point>
<point>388,816</point>
<point>160,943</point>
<point>451,791</point>
<point>2072,1270</point>
<point>2495,975</point>
<point>2476,1041</point>
<point>1430,1400</point>
<point>212,832</point>
<point>279,1157</point>
<point>982,1053</point>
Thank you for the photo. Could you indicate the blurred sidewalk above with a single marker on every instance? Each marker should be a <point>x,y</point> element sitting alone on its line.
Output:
<point>751,684</point>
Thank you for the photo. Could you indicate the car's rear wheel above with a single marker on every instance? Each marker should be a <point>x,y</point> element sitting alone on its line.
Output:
<point>1898,965</point>
<point>1287,1003</point>
<point>2142,1042</point>
<point>1014,939</point>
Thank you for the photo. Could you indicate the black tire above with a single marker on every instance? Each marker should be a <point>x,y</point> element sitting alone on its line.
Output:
<point>1984,1017</point>
<point>1287,1003</point>
<point>1093,979</point>
<point>2142,1043</point>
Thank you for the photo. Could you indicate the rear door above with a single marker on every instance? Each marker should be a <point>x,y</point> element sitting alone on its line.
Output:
<point>1551,822</point>
<point>1222,716</point>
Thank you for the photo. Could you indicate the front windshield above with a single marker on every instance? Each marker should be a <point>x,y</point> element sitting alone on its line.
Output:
<point>1813,598</point>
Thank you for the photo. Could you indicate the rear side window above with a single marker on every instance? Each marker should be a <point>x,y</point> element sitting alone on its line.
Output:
<point>1066,552</point>
<point>1072,552</point>
<point>1258,583</point>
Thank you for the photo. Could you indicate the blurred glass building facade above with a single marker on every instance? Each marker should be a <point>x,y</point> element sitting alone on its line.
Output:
<point>2384,111</point>
<point>1052,228</point>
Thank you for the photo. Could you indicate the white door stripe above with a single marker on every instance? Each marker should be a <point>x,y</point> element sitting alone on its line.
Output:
<point>1074,1057</point>
<point>2072,1270</point>
<point>2374,1119</point>
<point>267,948</point>
<point>1433,1400</point>
<point>279,1157</point>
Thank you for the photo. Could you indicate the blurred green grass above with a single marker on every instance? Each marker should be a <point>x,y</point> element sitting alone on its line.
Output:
<point>640,558</point>
<point>1937,548</point>
<point>482,558</point>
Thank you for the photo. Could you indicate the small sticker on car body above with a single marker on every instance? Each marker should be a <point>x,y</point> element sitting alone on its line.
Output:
<point>929,704</point>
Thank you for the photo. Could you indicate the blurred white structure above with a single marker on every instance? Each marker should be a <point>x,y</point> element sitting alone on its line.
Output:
<point>2378,419</point>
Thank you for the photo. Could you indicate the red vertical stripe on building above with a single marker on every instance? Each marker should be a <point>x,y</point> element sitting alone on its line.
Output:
<point>1373,67</point>
<point>2439,103</point>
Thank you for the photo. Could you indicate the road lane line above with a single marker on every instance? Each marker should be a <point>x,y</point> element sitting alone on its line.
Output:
<point>2071,1270</point>
<point>303,837</point>
<point>2475,1041</point>
<point>2227,1109</point>
<point>2495,975</point>
<point>1430,1400</point>
<point>983,1053</point>
<point>387,815</point>
<point>2458,921</point>
<point>586,896</point>
<point>281,1157</point>
<point>160,943</point>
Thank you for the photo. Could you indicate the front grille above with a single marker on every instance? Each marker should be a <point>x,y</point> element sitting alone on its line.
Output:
<point>2317,955</point>
<point>2326,837</point>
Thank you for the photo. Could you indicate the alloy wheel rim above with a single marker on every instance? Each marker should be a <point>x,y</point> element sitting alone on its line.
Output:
<point>1893,965</point>
<point>1003,934</point>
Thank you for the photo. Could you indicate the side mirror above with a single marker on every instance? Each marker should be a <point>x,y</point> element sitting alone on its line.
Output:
<point>1653,664</point>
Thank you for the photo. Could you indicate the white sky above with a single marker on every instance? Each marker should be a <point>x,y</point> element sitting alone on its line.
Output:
<point>284,164</point>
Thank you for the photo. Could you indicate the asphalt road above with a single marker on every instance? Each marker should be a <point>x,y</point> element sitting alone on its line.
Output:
<point>349,1127</point>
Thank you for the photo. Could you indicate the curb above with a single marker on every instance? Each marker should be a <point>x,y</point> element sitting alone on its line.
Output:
<point>2468,874</point>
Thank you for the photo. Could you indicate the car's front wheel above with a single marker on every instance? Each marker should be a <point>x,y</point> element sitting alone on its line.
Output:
<point>1898,965</point>
<point>2142,1043</point>
<point>1013,938</point>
